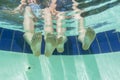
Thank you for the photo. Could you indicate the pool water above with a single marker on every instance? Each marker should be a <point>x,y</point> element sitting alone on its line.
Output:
<point>18,63</point>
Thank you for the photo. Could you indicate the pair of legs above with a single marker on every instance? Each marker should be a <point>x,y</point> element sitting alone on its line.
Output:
<point>32,38</point>
<point>54,41</point>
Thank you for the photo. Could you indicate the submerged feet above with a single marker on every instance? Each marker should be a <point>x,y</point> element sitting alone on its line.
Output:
<point>35,42</point>
<point>60,43</point>
<point>88,38</point>
<point>50,44</point>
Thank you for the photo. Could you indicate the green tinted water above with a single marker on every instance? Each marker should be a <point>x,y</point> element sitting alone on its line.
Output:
<point>18,66</point>
<point>104,21</point>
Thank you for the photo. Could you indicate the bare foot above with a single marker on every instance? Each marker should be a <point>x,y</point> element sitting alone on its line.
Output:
<point>88,38</point>
<point>36,43</point>
<point>50,44</point>
<point>60,43</point>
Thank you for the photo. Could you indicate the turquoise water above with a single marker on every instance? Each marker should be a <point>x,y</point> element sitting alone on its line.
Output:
<point>103,21</point>
<point>20,66</point>
<point>17,66</point>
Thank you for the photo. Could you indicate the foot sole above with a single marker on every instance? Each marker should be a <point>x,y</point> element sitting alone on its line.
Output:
<point>88,39</point>
<point>60,44</point>
<point>50,44</point>
<point>36,43</point>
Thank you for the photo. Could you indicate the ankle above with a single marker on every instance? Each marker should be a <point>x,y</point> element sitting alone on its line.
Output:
<point>81,35</point>
<point>82,31</point>
<point>28,35</point>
